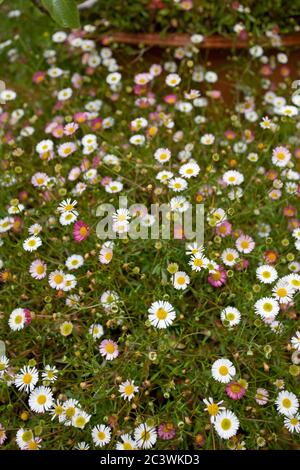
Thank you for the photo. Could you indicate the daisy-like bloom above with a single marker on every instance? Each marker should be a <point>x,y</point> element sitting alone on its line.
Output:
<point>67,218</point>
<point>166,431</point>
<point>89,139</point>
<point>195,249</point>
<point>179,204</point>
<point>126,443</point>
<point>40,179</point>
<point>44,146</point>
<point>82,446</point>
<point>296,341</point>
<point>121,215</point>
<point>7,95</point>
<point>231,315</point>
<point>207,139</point>
<point>6,224</point>
<point>101,435</point>
<point>96,330</point>
<point>50,374</point>
<point>70,408</point>
<point>17,319</point>
<point>71,128</point>
<point>68,206</point>
<point>4,362</point>
<point>66,149</point>
<point>57,279</point>
<point>24,436</point>
<point>137,139</point>
<point>128,389</point>
<point>109,299</point>
<point>142,78</point>
<point>213,408</point>
<point>189,169</point>
<point>245,244</point>
<point>41,399</point>
<point>217,276</point>
<point>235,390</point>
<point>70,282</point>
<point>266,274</point>
<point>145,436</point>
<point>233,178</point>
<point>2,434</point>
<point>261,396</point>
<point>223,370</point>
<point>38,269</point>
<point>26,378</point>
<point>106,254</point>
<point>64,94</point>
<point>178,184</point>
<point>287,403</point>
<point>173,79</point>
<point>161,314</point>
<point>229,257</point>
<point>35,229</point>
<point>292,423</point>
<point>81,231</point>
<point>164,176</point>
<point>198,262</point>
<point>32,243</point>
<point>113,187</point>
<point>113,78</point>
<point>293,280</point>
<point>162,155</point>
<point>226,424</point>
<point>66,328</point>
<point>80,419</point>
<point>267,307</point>
<point>281,156</point>
<point>283,292</point>
<point>266,123</point>
<point>181,280</point>
<point>109,349</point>
<point>74,262</point>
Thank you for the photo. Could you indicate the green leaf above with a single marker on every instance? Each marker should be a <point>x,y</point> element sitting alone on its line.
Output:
<point>64,12</point>
<point>2,344</point>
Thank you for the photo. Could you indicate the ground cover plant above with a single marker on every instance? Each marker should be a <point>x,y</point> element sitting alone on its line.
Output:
<point>154,343</point>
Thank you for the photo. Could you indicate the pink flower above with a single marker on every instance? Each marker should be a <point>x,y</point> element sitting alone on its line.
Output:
<point>245,244</point>
<point>27,316</point>
<point>166,431</point>
<point>81,231</point>
<point>217,278</point>
<point>235,390</point>
<point>224,229</point>
<point>170,99</point>
<point>261,396</point>
<point>241,265</point>
<point>38,77</point>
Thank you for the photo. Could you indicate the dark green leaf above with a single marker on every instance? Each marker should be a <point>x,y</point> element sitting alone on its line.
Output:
<point>64,12</point>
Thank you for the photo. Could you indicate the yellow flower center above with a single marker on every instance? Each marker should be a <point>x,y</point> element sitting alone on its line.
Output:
<point>58,278</point>
<point>101,436</point>
<point>27,378</point>
<point>268,307</point>
<point>18,319</point>
<point>286,403</point>
<point>41,399</point>
<point>110,348</point>
<point>180,280</point>
<point>129,389</point>
<point>223,370</point>
<point>225,424</point>
<point>161,314</point>
<point>40,269</point>
<point>213,409</point>
<point>281,292</point>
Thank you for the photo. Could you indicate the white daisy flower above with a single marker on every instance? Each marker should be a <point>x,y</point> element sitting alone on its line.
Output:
<point>101,435</point>
<point>266,274</point>
<point>226,424</point>
<point>267,307</point>
<point>223,370</point>
<point>26,378</point>
<point>41,399</point>
<point>128,389</point>
<point>32,243</point>
<point>181,280</point>
<point>74,262</point>
<point>161,314</point>
<point>287,403</point>
<point>231,315</point>
<point>145,436</point>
